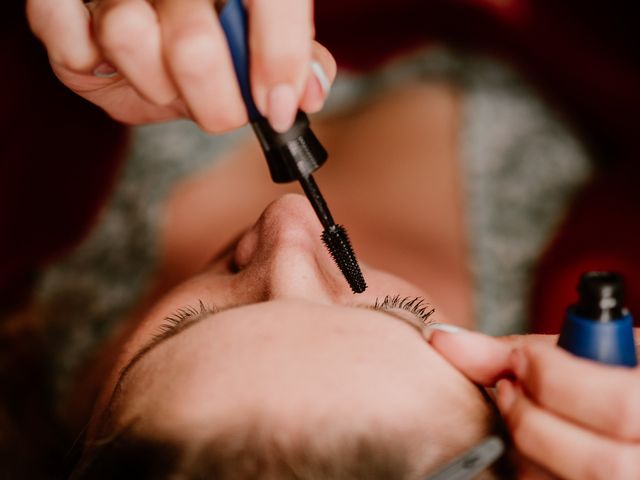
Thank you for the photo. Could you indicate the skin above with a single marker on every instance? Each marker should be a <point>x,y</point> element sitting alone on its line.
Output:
<point>146,62</point>
<point>287,322</point>
<point>572,417</point>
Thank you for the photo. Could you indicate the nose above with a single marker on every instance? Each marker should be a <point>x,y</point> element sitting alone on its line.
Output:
<point>283,251</point>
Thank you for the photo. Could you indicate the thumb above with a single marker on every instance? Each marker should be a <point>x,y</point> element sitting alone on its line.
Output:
<point>483,359</point>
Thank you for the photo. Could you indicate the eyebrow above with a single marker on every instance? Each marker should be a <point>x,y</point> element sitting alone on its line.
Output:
<point>162,338</point>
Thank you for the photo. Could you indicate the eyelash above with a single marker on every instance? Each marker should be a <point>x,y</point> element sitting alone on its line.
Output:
<point>418,306</point>
<point>174,320</point>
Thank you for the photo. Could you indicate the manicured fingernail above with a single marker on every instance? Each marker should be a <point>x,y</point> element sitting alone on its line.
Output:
<point>428,329</point>
<point>444,327</point>
<point>282,107</point>
<point>506,394</point>
<point>518,363</point>
<point>105,70</point>
<point>322,77</point>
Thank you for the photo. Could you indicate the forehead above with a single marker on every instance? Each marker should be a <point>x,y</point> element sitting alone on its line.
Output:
<point>292,357</point>
<point>293,327</point>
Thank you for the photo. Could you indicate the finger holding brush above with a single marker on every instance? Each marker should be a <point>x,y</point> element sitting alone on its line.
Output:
<point>145,62</point>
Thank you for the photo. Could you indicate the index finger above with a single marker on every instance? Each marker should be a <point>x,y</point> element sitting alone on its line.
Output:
<point>483,359</point>
<point>280,42</point>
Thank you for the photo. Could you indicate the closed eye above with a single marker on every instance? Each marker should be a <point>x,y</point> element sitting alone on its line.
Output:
<point>177,318</point>
<point>416,306</point>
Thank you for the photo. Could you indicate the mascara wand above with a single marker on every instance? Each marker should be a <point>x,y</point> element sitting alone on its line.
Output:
<point>334,237</point>
<point>293,155</point>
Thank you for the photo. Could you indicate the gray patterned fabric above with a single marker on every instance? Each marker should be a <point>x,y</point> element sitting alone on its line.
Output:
<point>521,164</point>
<point>523,167</point>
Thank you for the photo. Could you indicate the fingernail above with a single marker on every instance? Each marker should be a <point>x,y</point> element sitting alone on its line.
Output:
<point>445,327</point>
<point>518,363</point>
<point>506,394</point>
<point>429,328</point>
<point>282,107</point>
<point>322,77</point>
<point>105,70</point>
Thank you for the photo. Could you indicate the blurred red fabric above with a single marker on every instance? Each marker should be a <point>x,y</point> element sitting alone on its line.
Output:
<point>60,156</point>
<point>58,159</point>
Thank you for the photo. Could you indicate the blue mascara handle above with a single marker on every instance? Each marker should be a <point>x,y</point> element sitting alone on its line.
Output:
<point>233,18</point>
<point>598,326</point>
<point>605,342</point>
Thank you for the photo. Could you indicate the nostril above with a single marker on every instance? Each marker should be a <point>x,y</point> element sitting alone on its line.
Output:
<point>232,265</point>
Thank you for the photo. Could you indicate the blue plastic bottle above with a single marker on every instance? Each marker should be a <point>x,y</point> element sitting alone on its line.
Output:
<point>598,327</point>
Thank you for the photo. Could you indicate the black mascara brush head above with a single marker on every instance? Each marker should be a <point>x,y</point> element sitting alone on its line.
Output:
<point>337,242</point>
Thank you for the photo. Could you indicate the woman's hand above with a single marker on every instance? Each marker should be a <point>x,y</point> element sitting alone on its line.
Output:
<point>575,418</point>
<point>147,61</point>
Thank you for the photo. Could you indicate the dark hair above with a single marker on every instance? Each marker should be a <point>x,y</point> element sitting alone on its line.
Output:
<point>253,453</point>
